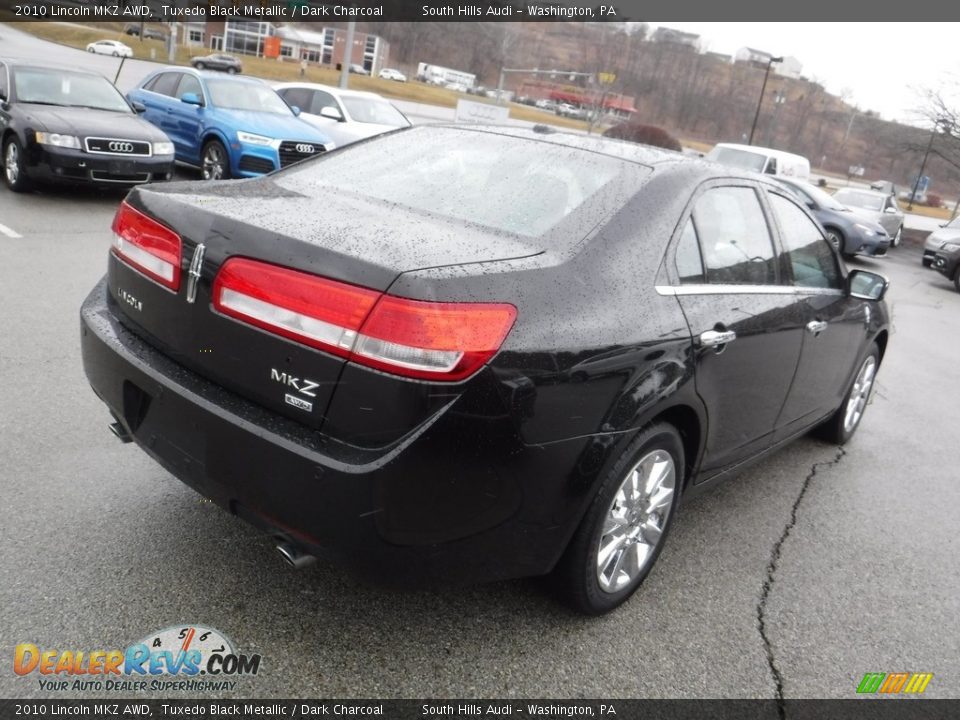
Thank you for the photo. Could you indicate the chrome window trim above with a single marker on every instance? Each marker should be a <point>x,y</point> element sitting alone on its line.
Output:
<point>707,289</point>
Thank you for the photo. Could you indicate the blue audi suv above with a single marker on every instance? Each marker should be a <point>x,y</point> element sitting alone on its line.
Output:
<point>226,126</point>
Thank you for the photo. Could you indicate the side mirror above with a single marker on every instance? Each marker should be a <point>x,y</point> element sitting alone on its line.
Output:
<point>891,211</point>
<point>867,285</point>
<point>295,110</point>
<point>811,205</point>
<point>138,107</point>
<point>192,99</point>
<point>331,112</point>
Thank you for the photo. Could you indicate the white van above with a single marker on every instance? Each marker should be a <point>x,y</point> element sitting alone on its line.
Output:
<point>761,160</point>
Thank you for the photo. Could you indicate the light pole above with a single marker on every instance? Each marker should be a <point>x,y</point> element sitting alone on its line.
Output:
<point>766,76</point>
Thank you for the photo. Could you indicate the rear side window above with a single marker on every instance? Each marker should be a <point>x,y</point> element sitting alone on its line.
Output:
<point>734,237</point>
<point>164,84</point>
<point>687,259</point>
<point>811,258</point>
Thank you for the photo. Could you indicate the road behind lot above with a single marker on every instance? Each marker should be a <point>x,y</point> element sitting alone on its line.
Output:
<point>101,547</point>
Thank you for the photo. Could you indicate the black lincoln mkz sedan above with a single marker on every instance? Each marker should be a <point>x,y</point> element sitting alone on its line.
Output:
<point>451,354</point>
<point>71,126</point>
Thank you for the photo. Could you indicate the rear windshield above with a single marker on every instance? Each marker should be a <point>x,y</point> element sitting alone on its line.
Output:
<point>743,159</point>
<point>497,181</point>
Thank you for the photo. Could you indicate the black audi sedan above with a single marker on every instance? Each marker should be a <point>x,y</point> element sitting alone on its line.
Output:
<point>63,125</point>
<point>454,354</point>
<point>849,233</point>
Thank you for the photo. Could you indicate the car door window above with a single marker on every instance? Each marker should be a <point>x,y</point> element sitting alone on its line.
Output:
<point>296,97</point>
<point>811,258</point>
<point>734,238</point>
<point>321,100</point>
<point>189,84</point>
<point>689,264</point>
<point>164,84</point>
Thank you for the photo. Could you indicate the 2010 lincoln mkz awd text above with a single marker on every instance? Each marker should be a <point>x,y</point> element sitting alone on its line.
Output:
<point>463,354</point>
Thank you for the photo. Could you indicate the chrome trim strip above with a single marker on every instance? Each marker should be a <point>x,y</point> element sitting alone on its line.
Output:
<point>193,274</point>
<point>98,175</point>
<point>677,290</point>
<point>86,145</point>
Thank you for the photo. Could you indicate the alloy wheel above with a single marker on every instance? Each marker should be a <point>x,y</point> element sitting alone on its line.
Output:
<point>860,394</point>
<point>11,163</point>
<point>634,524</point>
<point>214,162</point>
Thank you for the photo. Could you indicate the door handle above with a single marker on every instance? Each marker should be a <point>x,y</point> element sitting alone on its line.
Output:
<point>715,338</point>
<point>816,327</point>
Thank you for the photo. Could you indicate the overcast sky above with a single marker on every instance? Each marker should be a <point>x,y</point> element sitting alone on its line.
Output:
<point>884,65</point>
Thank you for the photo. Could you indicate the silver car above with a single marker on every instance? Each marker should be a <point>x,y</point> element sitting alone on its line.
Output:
<point>948,233</point>
<point>345,115</point>
<point>876,206</point>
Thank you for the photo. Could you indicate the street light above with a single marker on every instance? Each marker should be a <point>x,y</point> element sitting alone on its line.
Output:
<point>763,89</point>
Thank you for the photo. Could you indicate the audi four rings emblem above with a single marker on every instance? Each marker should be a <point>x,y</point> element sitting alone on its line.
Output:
<point>120,147</point>
<point>304,148</point>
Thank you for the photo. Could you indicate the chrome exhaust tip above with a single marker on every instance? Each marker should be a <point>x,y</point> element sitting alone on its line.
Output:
<point>294,557</point>
<point>121,432</point>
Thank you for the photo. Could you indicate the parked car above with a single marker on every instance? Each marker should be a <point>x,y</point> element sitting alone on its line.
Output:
<point>63,125</point>
<point>768,161</point>
<point>946,261</point>
<point>885,186</point>
<point>110,47</point>
<point>391,74</point>
<point>876,206</point>
<point>549,105</point>
<point>948,233</point>
<point>849,233</point>
<point>344,115</point>
<point>226,126</point>
<point>218,61</point>
<point>461,353</point>
<point>358,69</point>
<point>149,33</point>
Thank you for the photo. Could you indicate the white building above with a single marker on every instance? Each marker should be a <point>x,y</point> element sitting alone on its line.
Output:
<point>790,67</point>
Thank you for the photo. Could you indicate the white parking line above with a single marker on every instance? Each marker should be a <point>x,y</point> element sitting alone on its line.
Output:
<point>8,232</point>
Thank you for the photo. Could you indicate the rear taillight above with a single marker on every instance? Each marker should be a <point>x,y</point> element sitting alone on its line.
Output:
<point>148,246</point>
<point>430,340</point>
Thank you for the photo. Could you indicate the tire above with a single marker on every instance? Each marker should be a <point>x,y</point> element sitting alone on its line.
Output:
<point>200,66</point>
<point>231,71</point>
<point>842,425</point>
<point>896,238</point>
<point>14,172</point>
<point>214,155</point>
<point>836,239</point>
<point>90,50</point>
<point>620,524</point>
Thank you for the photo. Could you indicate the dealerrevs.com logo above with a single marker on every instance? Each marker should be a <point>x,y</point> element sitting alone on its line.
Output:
<point>183,657</point>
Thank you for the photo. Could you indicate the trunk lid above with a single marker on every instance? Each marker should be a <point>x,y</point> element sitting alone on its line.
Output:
<point>341,237</point>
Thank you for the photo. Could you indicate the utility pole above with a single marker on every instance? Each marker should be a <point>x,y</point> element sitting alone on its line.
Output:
<point>347,56</point>
<point>763,89</point>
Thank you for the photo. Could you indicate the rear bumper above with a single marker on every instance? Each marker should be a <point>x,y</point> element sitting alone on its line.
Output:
<point>460,499</point>
<point>74,166</point>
